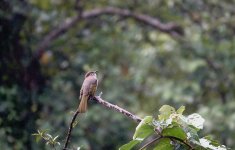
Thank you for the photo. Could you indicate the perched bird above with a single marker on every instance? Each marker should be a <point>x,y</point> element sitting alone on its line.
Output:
<point>88,90</point>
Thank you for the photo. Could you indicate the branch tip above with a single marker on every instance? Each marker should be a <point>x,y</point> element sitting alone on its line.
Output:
<point>100,94</point>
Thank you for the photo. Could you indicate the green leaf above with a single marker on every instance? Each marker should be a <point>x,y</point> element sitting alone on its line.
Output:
<point>182,147</point>
<point>181,110</point>
<point>129,145</point>
<point>35,134</point>
<point>165,112</point>
<point>192,133</point>
<point>45,4</point>
<point>206,143</point>
<point>148,119</point>
<point>179,119</point>
<point>75,123</point>
<point>43,132</point>
<point>37,138</point>
<point>164,144</point>
<point>175,132</point>
<point>50,136</point>
<point>144,129</point>
<point>212,141</point>
<point>55,137</point>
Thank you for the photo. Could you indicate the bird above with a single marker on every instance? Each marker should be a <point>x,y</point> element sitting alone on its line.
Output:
<point>88,89</point>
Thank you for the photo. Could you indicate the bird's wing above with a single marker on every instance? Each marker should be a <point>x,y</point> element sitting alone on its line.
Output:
<point>89,86</point>
<point>81,93</point>
<point>92,90</point>
<point>86,86</point>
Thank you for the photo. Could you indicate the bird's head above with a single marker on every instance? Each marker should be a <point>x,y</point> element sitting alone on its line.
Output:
<point>91,73</point>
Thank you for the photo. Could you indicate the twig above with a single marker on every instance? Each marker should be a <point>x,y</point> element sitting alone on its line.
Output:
<point>117,108</point>
<point>180,140</point>
<point>170,28</point>
<point>169,137</point>
<point>149,143</point>
<point>53,145</point>
<point>70,129</point>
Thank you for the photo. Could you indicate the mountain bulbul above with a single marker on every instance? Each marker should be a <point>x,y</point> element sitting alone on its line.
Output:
<point>88,90</point>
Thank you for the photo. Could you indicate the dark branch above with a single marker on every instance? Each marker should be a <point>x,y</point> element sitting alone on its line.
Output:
<point>170,28</point>
<point>117,108</point>
<point>70,129</point>
<point>151,142</point>
<point>180,140</point>
<point>62,28</point>
<point>169,137</point>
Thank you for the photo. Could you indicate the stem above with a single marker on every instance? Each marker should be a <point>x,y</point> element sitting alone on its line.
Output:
<point>170,137</point>
<point>70,129</point>
<point>149,143</point>
<point>53,145</point>
<point>180,140</point>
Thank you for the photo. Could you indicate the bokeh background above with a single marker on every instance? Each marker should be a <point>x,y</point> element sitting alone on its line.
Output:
<point>46,46</point>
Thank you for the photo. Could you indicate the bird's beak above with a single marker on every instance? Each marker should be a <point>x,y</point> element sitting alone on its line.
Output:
<point>96,71</point>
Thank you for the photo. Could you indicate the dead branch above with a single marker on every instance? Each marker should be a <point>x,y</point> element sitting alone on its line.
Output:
<point>117,108</point>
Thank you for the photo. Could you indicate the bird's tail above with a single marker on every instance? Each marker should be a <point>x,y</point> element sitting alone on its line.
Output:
<point>83,105</point>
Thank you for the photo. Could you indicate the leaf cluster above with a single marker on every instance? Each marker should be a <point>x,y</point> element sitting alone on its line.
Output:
<point>49,139</point>
<point>172,130</point>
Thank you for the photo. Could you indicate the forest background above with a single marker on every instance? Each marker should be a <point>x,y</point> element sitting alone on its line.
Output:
<point>148,53</point>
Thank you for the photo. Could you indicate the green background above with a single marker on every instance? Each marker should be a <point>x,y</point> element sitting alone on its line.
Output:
<point>140,68</point>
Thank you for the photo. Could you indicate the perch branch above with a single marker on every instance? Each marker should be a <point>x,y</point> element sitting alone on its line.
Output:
<point>170,28</point>
<point>117,108</point>
<point>106,104</point>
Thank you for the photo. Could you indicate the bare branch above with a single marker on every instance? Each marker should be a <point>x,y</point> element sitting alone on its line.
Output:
<point>70,129</point>
<point>117,108</point>
<point>170,28</point>
<point>62,28</point>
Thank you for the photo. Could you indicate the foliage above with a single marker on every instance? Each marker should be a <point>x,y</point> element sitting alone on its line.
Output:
<point>47,137</point>
<point>173,131</point>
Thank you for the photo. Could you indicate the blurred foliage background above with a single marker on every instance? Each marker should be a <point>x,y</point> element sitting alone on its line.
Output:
<point>140,68</point>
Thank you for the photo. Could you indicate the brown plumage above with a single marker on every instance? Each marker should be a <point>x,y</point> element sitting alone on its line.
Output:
<point>88,90</point>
